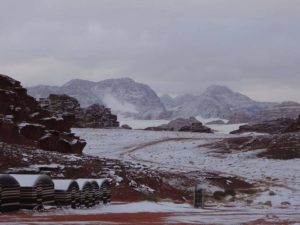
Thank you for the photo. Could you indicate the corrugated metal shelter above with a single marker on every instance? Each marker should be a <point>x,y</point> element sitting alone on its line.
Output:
<point>9,193</point>
<point>86,192</point>
<point>105,190</point>
<point>67,193</point>
<point>36,190</point>
<point>96,192</point>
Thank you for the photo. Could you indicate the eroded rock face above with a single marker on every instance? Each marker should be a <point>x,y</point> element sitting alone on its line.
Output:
<point>190,125</point>
<point>277,146</point>
<point>278,126</point>
<point>282,110</point>
<point>97,116</point>
<point>272,127</point>
<point>23,121</point>
<point>68,108</point>
<point>294,126</point>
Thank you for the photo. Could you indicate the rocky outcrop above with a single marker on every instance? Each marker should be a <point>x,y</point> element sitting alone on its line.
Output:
<point>294,126</point>
<point>60,105</point>
<point>271,126</point>
<point>97,116</point>
<point>190,125</point>
<point>282,110</point>
<point>94,116</point>
<point>23,121</point>
<point>278,146</point>
<point>278,126</point>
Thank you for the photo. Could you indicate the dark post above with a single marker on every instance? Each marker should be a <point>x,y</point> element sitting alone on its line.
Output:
<point>199,197</point>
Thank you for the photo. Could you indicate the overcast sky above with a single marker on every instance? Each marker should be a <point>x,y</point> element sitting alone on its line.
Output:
<point>175,46</point>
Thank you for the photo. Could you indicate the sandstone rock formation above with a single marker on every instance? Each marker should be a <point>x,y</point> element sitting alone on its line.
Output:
<point>97,116</point>
<point>191,125</point>
<point>23,121</point>
<point>282,110</point>
<point>271,126</point>
<point>277,126</point>
<point>283,146</point>
<point>294,126</point>
<point>94,116</point>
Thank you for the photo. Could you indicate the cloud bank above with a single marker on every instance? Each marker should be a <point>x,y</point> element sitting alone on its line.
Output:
<point>175,46</point>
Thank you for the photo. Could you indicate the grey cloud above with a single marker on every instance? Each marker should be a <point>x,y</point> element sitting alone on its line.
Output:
<point>176,46</point>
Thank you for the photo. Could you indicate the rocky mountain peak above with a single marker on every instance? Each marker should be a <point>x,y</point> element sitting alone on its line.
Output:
<point>217,90</point>
<point>77,82</point>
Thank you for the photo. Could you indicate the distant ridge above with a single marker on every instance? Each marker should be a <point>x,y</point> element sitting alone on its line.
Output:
<point>128,98</point>
<point>215,102</point>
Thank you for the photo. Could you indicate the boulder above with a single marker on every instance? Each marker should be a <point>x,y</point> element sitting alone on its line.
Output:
<point>127,127</point>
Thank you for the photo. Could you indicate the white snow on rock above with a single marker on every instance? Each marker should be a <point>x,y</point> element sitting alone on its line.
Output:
<point>52,165</point>
<point>26,180</point>
<point>62,184</point>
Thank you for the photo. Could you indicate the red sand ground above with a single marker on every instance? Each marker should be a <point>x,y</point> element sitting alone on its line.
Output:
<point>116,218</point>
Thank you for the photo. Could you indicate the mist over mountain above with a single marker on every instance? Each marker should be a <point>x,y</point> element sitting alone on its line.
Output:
<point>125,96</point>
<point>128,98</point>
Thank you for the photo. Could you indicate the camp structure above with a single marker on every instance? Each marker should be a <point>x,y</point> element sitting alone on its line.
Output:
<point>36,190</point>
<point>67,193</point>
<point>96,192</point>
<point>86,192</point>
<point>9,193</point>
<point>105,190</point>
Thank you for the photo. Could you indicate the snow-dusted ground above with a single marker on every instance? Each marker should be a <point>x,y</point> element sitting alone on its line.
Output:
<point>176,214</point>
<point>134,207</point>
<point>112,143</point>
<point>141,124</point>
<point>187,214</point>
<point>180,152</point>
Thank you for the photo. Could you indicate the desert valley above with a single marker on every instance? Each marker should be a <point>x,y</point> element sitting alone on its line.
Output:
<point>149,112</point>
<point>153,165</point>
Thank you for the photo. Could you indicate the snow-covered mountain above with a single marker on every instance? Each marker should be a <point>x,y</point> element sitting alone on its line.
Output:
<point>131,99</point>
<point>216,102</point>
<point>124,96</point>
